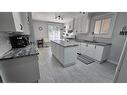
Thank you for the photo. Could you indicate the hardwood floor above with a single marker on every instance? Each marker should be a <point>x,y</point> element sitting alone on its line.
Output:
<point>51,71</point>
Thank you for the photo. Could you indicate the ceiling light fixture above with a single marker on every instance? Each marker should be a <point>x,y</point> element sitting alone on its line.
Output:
<point>58,17</point>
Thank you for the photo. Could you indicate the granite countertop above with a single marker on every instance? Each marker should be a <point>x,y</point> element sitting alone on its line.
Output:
<point>65,43</point>
<point>20,52</point>
<point>95,43</point>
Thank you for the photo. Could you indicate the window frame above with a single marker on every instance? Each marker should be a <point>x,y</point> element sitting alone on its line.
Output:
<point>111,27</point>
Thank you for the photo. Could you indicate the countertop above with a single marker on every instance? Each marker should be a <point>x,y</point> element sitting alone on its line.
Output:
<point>20,52</point>
<point>65,43</point>
<point>95,43</point>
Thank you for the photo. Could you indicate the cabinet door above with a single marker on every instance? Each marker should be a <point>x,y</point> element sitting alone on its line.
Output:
<point>98,52</point>
<point>52,47</point>
<point>91,50</point>
<point>17,21</point>
<point>87,49</point>
<point>83,48</point>
<point>61,54</point>
<point>70,25</point>
<point>75,25</point>
<point>79,48</point>
<point>79,25</point>
<point>85,23</point>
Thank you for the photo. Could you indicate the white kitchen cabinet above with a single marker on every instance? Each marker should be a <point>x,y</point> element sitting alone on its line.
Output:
<point>91,50</point>
<point>100,53</point>
<point>70,56</point>
<point>53,47</point>
<point>81,23</point>
<point>83,48</point>
<point>79,48</point>
<point>85,23</point>
<point>87,49</point>
<point>20,70</point>
<point>25,22</point>
<point>65,55</point>
<point>10,22</point>
<point>69,25</point>
<point>61,54</point>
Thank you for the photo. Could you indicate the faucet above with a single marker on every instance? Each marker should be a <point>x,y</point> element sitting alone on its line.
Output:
<point>94,40</point>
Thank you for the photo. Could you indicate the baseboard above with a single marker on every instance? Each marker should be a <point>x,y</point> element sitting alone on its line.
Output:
<point>113,62</point>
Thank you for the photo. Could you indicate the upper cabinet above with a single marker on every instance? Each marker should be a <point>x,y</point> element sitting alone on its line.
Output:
<point>25,22</point>
<point>70,25</point>
<point>10,22</point>
<point>81,23</point>
<point>85,23</point>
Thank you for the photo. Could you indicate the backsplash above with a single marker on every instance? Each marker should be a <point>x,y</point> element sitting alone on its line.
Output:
<point>90,38</point>
<point>4,43</point>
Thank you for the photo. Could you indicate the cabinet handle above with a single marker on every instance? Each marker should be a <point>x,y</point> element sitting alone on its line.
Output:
<point>95,46</point>
<point>21,26</point>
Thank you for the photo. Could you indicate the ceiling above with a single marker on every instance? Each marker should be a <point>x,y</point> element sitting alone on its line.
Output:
<point>50,16</point>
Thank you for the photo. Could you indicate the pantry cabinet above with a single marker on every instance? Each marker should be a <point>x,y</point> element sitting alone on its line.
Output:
<point>10,22</point>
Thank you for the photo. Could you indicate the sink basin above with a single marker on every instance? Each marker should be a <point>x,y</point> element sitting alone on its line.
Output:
<point>91,42</point>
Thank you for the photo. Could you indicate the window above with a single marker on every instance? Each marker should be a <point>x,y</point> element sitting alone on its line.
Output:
<point>53,32</point>
<point>105,25</point>
<point>102,26</point>
<point>97,26</point>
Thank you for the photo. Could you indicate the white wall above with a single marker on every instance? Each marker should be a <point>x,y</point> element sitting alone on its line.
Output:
<point>43,33</point>
<point>116,40</point>
<point>4,43</point>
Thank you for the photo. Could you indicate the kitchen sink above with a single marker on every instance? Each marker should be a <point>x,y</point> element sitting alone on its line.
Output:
<point>91,41</point>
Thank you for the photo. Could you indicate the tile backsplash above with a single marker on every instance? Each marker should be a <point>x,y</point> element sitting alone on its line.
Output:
<point>90,38</point>
<point>4,43</point>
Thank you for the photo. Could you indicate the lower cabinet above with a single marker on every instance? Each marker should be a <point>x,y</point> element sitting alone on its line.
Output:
<point>100,53</point>
<point>20,70</point>
<point>65,55</point>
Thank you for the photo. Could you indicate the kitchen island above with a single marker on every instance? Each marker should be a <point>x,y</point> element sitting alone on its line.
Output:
<point>65,52</point>
<point>20,65</point>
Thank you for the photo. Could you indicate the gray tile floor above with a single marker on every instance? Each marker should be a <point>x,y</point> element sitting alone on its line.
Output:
<point>51,70</point>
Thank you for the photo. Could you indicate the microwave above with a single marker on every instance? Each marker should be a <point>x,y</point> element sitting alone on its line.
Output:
<point>19,41</point>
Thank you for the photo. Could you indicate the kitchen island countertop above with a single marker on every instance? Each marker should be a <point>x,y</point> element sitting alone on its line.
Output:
<point>65,43</point>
